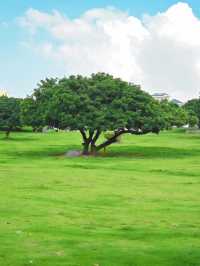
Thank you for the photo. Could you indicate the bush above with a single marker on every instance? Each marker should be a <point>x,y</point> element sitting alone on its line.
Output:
<point>109,134</point>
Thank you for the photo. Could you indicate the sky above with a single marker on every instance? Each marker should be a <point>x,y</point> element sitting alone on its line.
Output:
<point>152,43</point>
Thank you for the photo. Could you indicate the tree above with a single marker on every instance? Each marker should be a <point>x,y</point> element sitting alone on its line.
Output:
<point>174,115</point>
<point>34,108</point>
<point>9,114</point>
<point>31,115</point>
<point>192,119</point>
<point>193,107</point>
<point>97,104</point>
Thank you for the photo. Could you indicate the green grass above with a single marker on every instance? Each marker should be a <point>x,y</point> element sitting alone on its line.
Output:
<point>137,206</point>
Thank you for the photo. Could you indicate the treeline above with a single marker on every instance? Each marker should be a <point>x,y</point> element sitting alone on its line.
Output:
<point>94,105</point>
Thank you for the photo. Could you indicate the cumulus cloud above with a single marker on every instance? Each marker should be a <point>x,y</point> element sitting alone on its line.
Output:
<point>161,52</point>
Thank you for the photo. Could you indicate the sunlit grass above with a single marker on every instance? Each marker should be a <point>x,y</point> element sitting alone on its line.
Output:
<point>136,205</point>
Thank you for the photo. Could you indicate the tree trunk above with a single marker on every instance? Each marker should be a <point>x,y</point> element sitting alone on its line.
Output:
<point>106,144</point>
<point>115,137</point>
<point>89,141</point>
<point>93,149</point>
<point>85,149</point>
<point>93,146</point>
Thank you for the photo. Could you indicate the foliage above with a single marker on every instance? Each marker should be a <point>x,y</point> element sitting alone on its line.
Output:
<point>96,104</point>
<point>31,114</point>
<point>174,115</point>
<point>9,114</point>
<point>193,107</point>
<point>192,119</point>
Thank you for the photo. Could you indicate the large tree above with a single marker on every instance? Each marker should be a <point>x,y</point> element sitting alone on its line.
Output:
<point>97,104</point>
<point>9,114</point>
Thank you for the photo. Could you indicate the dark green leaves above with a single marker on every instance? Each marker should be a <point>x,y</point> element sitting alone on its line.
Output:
<point>99,102</point>
<point>9,114</point>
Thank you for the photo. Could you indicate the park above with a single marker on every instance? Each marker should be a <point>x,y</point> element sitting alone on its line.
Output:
<point>130,196</point>
<point>99,133</point>
<point>138,204</point>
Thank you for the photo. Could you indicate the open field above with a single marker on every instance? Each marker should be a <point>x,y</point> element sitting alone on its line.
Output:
<point>137,206</point>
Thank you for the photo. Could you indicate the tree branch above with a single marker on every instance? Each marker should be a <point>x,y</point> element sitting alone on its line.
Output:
<point>118,133</point>
<point>82,131</point>
<point>91,133</point>
<point>96,136</point>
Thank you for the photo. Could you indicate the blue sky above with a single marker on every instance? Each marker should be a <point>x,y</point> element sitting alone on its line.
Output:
<point>10,9</point>
<point>21,68</point>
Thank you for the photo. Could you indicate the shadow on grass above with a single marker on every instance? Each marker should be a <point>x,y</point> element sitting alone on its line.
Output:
<point>151,152</point>
<point>44,152</point>
<point>134,152</point>
<point>191,137</point>
<point>14,139</point>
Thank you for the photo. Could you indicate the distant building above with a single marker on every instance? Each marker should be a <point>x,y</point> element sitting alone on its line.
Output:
<point>179,103</point>
<point>161,96</point>
<point>164,96</point>
<point>3,93</point>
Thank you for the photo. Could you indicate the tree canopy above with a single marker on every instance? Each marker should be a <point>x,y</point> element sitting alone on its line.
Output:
<point>31,114</point>
<point>174,115</point>
<point>94,105</point>
<point>9,114</point>
<point>193,108</point>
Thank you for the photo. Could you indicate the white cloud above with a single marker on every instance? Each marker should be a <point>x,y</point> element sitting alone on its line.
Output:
<point>161,52</point>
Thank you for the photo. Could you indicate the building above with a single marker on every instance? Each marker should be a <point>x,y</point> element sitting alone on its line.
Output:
<point>161,96</point>
<point>3,93</point>
<point>179,103</point>
<point>164,96</point>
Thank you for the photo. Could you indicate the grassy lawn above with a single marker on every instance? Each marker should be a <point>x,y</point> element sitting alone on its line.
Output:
<point>137,206</point>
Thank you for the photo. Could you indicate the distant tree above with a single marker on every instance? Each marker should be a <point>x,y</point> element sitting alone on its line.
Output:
<point>174,115</point>
<point>9,114</point>
<point>97,104</point>
<point>192,119</point>
<point>31,114</point>
<point>34,109</point>
<point>193,107</point>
